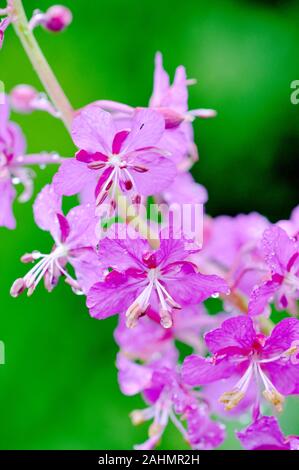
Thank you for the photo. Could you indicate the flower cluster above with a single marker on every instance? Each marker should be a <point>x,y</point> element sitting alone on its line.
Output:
<point>154,272</point>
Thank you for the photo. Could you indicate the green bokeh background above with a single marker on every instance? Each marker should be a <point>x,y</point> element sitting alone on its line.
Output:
<point>58,388</point>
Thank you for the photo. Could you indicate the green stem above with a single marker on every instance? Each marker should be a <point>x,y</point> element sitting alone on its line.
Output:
<point>40,63</point>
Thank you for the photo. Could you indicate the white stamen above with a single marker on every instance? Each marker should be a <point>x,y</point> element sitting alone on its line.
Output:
<point>34,276</point>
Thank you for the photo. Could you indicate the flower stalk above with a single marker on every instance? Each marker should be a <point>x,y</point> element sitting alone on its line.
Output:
<point>40,63</point>
<point>55,91</point>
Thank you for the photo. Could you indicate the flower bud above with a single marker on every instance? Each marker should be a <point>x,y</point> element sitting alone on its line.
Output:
<point>26,99</point>
<point>57,18</point>
<point>22,97</point>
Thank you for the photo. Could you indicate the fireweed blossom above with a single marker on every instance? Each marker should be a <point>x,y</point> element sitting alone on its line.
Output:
<point>238,349</point>
<point>140,152</point>
<point>265,434</point>
<point>74,239</point>
<point>281,255</point>
<point>112,161</point>
<point>141,277</point>
<point>13,166</point>
<point>174,98</point>
<point>147,339</point>
<point>147,364</point>
<point>171,101</point>
<point>169,399</point>
<point>237,256</point>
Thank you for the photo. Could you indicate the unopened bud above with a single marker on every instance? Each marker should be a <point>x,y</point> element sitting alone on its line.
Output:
<point>21,98</point>
<point>57,18</point>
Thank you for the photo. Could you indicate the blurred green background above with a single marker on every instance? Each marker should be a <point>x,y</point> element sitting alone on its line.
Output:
<point>58,389</point>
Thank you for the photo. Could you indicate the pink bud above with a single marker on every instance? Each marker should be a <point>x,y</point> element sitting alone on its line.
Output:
<point>17,288</point>
<point>21,98</point>
<point>57,18</point>
<point>25,99</point>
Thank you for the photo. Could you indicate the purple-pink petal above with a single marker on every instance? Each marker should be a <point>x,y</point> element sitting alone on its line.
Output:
<point>284,335</point>
<point>147,129</point>
<point>278,249</point>
<point>235,336</point>
<point>4,113</point>
<point>262,295</point>
<point>284,375</point>
<point>263,434</point>
<point>82,222</point>
<point>111,296</point>
<point>132,378</point>
<point>64,227</point>
<point>72,177</point>
<point>184,190</point>
<point>119,140</point>
<point>192,288</point>
<point>93,130</point>
<point>161,82</point>
<point>159,173</point>
<point>87,157</point>
<point>17,140</point>
<point>122,248</point>
<point>199,371</point>
<point>203,433</point>
<point>7,195</point>
<point>45,209</point>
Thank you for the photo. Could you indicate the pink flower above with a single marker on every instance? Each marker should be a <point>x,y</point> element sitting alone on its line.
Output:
<point>112,161</point>
<point>172,100</point>
<point>281,255</point>
<point>141,277</point>
<point>239,350</point>
<point>74,238</point>
<point>265,434</point>
<point>168,397</point>
<point>12,145</point>
<point>243,234</point>
<point>236,257</point>
<point>13,164</point>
